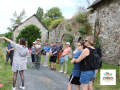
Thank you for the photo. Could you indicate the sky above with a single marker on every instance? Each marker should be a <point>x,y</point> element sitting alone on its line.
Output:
<point>7,7</point>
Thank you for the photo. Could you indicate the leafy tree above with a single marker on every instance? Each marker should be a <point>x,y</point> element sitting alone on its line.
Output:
<point>54,13</point>
<point>30,33</point>
<point>47,22</point>
<point>16,20</point>
<point>40,13</point>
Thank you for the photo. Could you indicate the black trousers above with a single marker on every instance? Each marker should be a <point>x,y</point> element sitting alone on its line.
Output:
<point>9,55</point>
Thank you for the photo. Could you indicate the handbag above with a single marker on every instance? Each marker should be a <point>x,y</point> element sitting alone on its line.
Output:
<point>43,52</point>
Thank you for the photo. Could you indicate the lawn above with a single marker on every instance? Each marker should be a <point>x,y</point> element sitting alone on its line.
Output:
<point>6,74</point>
<point>96,84</point>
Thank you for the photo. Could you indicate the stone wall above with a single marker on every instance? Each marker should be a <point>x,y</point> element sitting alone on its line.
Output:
<point>33,20</point>
<point>108,16</point>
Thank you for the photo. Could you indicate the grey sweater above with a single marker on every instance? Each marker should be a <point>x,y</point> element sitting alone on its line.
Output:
<point>38,48</point>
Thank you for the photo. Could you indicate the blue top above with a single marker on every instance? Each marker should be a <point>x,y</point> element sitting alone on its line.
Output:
<point>10,47</point>
<point>55,48</point>
<point>32,50</point>
<point>46,48</point>
<point>76,68</point>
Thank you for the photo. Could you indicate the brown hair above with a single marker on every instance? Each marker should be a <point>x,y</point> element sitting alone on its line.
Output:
<point>22,41</point>
<point>91,40</point>
<point>83,44</point>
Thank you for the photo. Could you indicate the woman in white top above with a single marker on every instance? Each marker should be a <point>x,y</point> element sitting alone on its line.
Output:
<point>19,60</point>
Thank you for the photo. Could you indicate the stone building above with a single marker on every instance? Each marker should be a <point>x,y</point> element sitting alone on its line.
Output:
<point>107,14</point>
<point>35,21</point>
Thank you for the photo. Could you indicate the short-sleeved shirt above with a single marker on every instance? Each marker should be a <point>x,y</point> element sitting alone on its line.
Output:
<point>66,51</point>
<point>54,49</point>
<point>76,68</point>
<point>46,48</point>
<point>60,47</point>
<point>10,47</point>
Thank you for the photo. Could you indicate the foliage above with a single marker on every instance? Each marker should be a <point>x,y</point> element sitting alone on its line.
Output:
<point>30,33</point>
<point>40,13</point>
<point>1,35</point>
<point>68,37</point>
<point>81,17</point>
<point>54,13</point>
<point>6,75</point>
<point>8,35</point>
<point>97,42</point>
<point>82,30</point>
<point>47,22</point>
<point>55,23</point>
<point>68,27</point>
<point>16,20</point>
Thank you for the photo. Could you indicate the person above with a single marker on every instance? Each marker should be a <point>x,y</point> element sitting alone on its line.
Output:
<point>46,49</point>
<point>38,48</point>
<point>19,63</point>
<point>9,53</point>
<point>65,54</point>
<point>75,76</point>
<point>55,50</point>
<point>26,42</point>
<point>76,50</point>
<point>87,73</point>
<point>32,54</point>
<point>50,54</point>
<point>60,51</point>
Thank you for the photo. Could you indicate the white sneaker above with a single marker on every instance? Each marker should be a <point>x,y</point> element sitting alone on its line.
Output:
<point>43,65</point>
<point>60,71</point>
<point>13,88</point>
<point>22,87</point>
<point>65,72</point>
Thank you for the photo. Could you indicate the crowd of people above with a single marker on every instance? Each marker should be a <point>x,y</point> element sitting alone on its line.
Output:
<point>82,74</point>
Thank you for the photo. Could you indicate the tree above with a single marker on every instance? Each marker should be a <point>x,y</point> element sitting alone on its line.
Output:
<point>16,20</point>
<point>54,13</point>
<point>47,22</point>
<point>30,33</point>
<point>40,13</point>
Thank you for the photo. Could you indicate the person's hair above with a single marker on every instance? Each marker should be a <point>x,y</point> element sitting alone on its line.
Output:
<point>22,41</point>
<point>91,40</point>
<point>83,44</point>
<point>54,42</point>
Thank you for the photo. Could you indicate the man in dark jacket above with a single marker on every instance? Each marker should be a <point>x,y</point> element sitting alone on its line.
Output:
<point>9,53</point>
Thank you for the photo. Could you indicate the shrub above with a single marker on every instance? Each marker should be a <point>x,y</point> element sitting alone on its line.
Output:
<point>55,23</point>
<point>82,30</point>
<point>68,27</point>
<point>30,33</point>
<point>81,17</point>
<point>68,37</point>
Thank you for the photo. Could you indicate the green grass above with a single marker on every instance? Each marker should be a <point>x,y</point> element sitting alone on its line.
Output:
<point>96,84</point>
<point>6,74</point>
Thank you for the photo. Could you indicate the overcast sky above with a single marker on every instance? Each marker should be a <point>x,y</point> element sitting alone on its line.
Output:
<point>7,7</point>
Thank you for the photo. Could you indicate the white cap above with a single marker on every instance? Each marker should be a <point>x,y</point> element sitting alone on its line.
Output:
<point>68,43</point>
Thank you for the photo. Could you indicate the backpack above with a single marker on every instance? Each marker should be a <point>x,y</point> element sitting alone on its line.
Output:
<point>97,62</point>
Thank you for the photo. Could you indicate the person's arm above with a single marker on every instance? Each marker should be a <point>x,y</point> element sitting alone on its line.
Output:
<point>11,49</point>
<point>8,40</point>
<point>84,53</point>
<point>7,50</point>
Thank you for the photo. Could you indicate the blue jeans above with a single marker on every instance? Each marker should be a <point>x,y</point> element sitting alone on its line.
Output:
<point>87,76</point>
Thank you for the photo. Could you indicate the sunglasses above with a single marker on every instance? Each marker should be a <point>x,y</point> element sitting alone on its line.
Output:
<point>85,40</point>
<point>79,45</point>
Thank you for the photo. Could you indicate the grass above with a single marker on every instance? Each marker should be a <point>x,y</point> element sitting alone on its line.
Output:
<point>96,84</point>
<point>6,75</point>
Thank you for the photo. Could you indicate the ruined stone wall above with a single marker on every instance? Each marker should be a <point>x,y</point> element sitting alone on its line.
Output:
<point>108,16</point>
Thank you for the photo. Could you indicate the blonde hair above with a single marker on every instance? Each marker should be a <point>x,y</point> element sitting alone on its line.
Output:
<point>91,40</point>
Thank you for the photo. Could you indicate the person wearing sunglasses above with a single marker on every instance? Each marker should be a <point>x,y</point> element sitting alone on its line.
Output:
<point>87,73</point>
<point>75,76</point>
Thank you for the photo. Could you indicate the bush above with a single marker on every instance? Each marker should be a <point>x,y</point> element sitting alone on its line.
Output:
<point>68,37</point>
<point>30,33</point>
<point>68,27</point>
<point>55,23</point>
<point>82,30</point>
<point>81,17</point>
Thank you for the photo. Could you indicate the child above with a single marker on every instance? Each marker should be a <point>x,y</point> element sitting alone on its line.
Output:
<point>75,76</point>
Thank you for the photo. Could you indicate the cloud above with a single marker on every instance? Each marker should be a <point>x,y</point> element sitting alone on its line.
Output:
<point>7,7</point>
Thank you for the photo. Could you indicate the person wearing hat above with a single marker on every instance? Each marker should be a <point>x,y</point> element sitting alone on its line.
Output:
<point>60,51</point>
<point>9,53</point>
<point>38,48</point>
<point>65,54</point>
<point>32,54</point>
